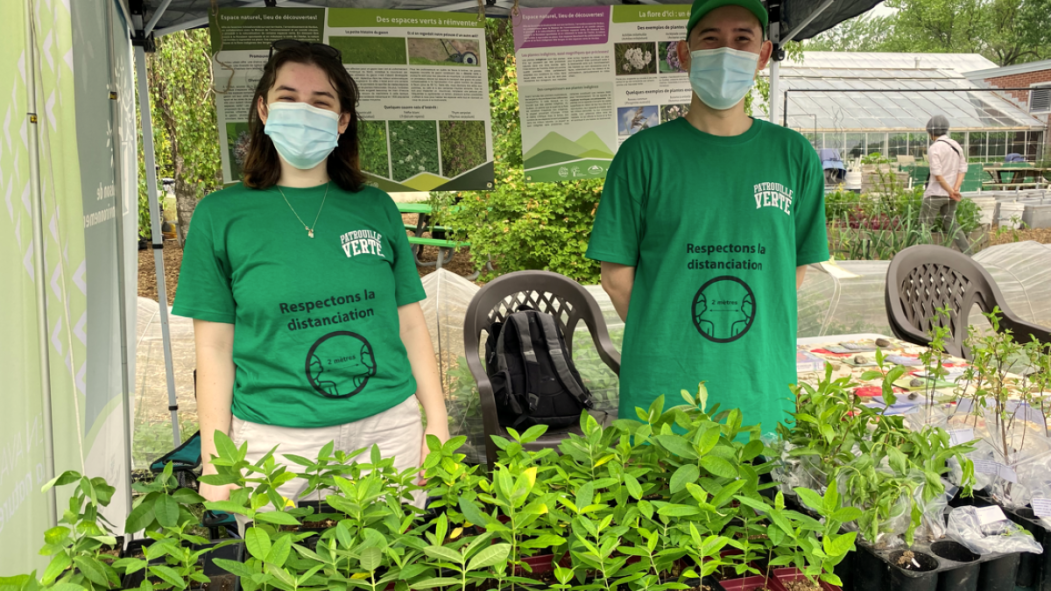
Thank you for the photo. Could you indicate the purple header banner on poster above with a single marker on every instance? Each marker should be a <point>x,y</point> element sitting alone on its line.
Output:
<point>560,27</point>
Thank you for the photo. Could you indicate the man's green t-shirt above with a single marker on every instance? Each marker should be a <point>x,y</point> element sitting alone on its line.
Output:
<point>316,333</point>
<point>715,228</point>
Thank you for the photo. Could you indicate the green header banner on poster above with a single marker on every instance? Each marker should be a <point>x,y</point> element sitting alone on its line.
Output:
<point>591,77</point>
<point>424,120</point>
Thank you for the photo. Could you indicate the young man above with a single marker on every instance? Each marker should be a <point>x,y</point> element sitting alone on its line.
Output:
<point>948,167</point>
<point>704,230</point>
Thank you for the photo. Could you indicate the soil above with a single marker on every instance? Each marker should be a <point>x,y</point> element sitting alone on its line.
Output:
<point>801,585</point>
<point>905,561</point>
<point>1041,235</point>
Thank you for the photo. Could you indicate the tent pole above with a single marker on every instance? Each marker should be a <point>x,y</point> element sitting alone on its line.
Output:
<point>792,34</point>
<point>122,298</point>
<point>157,16</point>
<point>155,227</point>
<point>775,95</point>
<point>40,262</point>
<point>776,56</point>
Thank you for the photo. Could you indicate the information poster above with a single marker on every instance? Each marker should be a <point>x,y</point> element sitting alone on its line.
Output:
<point>590,78</point>
<point>423,113</point>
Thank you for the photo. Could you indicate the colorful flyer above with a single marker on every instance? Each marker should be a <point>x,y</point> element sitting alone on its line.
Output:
<point>424,119</point>
<point>590,77</point>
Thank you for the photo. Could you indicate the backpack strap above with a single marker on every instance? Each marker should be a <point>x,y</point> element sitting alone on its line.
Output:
<point>501,365</point>
<point>532,367</point>
<point>554,347</point>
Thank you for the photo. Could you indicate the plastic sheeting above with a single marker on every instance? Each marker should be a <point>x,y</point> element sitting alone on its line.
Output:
<point>827,306</point>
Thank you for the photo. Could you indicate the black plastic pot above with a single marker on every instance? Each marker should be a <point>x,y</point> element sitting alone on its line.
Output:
<point>965,576</point>
<point>845,571</point>
<point>1034,570</point>
<point>870,570</point>
<point>917,578</point>
<point>999,574</point>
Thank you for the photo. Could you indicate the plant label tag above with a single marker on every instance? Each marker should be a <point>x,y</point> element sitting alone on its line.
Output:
<point>987,515</point>
<point>961,436</point>
<point>1041,507</point>
<point>986,467</point>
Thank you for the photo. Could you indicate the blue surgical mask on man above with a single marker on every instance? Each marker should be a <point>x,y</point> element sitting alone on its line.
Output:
<point>722,77</point>
<point>304,135</point>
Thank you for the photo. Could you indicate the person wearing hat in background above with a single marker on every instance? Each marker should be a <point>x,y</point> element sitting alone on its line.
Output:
<point>704,229</point>
<point>948,167</point>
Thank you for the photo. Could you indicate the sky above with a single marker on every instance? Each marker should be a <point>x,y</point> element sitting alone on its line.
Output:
<point>881,10</point>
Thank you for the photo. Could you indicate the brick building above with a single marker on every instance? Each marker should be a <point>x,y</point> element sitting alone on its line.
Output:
<point>1037,102</point>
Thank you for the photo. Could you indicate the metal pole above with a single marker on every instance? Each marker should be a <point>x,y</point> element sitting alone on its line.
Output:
<point>792,34</point>
<point>39,260</point>
<point>122,301</point>
<point>784,122</point>
<point>775,82</point>
<point>157,16</point>
<point>155,230</point>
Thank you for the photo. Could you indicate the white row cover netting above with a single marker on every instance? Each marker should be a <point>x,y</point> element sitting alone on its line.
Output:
<point>828,305</point>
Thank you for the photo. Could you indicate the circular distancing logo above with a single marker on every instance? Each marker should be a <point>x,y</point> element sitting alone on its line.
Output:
<point>340,364</point>
<point>724,309</point>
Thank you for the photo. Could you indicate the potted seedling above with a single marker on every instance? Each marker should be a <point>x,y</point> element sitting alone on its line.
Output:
<point>175,559</point>
<point>81,546</point>
<point>319,475</point>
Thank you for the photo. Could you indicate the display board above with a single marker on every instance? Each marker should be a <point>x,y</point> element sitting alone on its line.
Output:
<point>422,76</point>
<point>590,78</point>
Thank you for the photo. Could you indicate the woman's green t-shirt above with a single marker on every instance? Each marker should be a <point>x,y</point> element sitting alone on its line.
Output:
<point>316,333</point>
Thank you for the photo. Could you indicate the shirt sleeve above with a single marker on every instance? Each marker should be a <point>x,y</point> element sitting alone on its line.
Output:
<point>408,289</point>
<point>811,233</point>
<point>616,233</point>
<point>204,290</point>
<point>963,162</point>
<point>937,158</point>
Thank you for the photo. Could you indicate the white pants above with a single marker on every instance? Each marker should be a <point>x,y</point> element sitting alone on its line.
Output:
<point>398,432</point>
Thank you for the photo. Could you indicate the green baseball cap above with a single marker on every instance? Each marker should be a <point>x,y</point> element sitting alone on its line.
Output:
<point>703,7</point>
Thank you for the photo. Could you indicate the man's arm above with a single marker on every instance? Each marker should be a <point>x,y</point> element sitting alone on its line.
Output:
<point>800,274</point>
<point>617,281</point>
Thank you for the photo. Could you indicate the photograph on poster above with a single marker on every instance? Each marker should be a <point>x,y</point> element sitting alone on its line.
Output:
<point>631,120</point>
<point>635,58</point>
<point>463,146</point>
<point>443,52</point>
<point>668,56</point>
<point>372,147</point>
<point>673,112</point>
<point>371,50</point>
<point>414,148</point>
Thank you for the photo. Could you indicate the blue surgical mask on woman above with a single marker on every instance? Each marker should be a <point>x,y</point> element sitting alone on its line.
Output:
<point>304,135</point>
<point>722,77</point>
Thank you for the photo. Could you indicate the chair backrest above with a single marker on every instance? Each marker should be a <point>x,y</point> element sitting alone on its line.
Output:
<point>921,279</point>
<point>542,291</point>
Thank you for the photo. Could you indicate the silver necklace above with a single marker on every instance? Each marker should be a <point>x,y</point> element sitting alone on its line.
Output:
<point>309,229</point>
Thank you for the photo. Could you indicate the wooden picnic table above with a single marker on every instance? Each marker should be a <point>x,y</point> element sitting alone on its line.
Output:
<point>1014,177</point>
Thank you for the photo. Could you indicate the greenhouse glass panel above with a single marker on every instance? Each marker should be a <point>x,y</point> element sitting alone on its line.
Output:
<point>855,145</point>
<point>898,144</point>
<point>834,141</point>
<point>1035,149</point>
<point>918,144</point>
<point>977,144</point>
<point>1016,142</point>
<point>875,143</point>
<point>960,137</point>
<point>997,145</point>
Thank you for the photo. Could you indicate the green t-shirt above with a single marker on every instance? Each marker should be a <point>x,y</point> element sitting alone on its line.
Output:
<point>715,228</point>
<point>316,332</point>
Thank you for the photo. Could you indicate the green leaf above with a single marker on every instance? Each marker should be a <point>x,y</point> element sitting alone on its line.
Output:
<point>92,569</point>
<point>752,450</point>
<point>56,534</point>
<point>634,488</point>
<point>708,440</point>
<point>234,567</point>
<point>279,551</point>
<point>811,498</point>
<point>754,504</point>
<point>435,582</point>
<point>277,517</point>
<point>168,575</point>
<point>685,474</point>
<point>443,553</point>
<point>371,558</point>
<point>678,510</point>
<point>677,446</point>
<point>839,545</point>
<point>847,514</point>
<point>67,477</point>
<point>258,542</point>
<point>166,510</point>
<point>719,467</point>
<point>56,567</point>
<point>491,556</point>
<point>471,511</point>
<point>141,516</point>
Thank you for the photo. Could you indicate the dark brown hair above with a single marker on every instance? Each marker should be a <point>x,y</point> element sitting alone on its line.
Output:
<point>262,166</point>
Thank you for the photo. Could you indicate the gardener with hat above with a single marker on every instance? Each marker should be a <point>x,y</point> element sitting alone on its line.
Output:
<point>948,167</point>
<point>704,230</point>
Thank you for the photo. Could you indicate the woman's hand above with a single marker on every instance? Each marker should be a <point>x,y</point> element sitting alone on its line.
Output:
<point>214,493</point>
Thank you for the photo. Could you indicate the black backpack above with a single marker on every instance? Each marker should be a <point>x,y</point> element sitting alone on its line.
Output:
<point>533,377</point>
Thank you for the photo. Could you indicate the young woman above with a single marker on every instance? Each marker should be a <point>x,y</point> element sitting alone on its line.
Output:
<point>303,288</point>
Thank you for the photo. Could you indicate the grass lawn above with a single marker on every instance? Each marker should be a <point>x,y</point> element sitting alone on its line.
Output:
<point>371,50</point>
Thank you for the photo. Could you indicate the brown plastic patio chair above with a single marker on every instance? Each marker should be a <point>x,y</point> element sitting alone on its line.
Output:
<point>543,291</point>
<point>926,277</point>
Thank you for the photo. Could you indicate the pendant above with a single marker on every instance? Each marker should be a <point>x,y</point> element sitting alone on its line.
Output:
<point>310,233</point>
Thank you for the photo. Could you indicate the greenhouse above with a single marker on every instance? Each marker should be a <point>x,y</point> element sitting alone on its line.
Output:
<point>865,103</point>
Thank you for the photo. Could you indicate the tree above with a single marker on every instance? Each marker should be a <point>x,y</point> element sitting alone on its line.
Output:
<point>1005,31</point>
<point>186,135</point>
